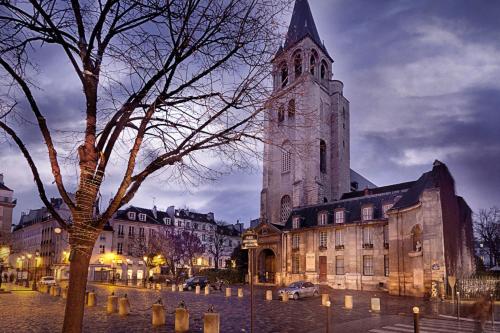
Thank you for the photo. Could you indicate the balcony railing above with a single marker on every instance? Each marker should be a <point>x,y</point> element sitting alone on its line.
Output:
<point>367,246</point>
<point>323,247</point>
<point>339,247</point>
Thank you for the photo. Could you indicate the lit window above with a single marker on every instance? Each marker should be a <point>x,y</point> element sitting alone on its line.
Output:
<point>296,222</point>
<point>131,215</point>
<point>119,248</point>
<point>385,208</point>
<point>367,213</point>
<point>339,265</point>
<point>142,217</point>
<point>286,207</point>
<point>295,241</point>
<point>322,218</point>
<point>339,216</point>
<point>322,239</point>
<point>368,265</point>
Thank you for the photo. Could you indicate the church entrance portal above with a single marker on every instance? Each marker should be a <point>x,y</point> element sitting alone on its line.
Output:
<point>267,266</point>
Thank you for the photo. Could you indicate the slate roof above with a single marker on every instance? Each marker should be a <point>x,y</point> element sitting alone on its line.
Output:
<point>150,216</point>
<point>193,216</point>
<point>403,195</point>
<point>301,26</point>
<point>5,188</point>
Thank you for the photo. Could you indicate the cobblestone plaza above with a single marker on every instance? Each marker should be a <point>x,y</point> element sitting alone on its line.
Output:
<point>27,311</point>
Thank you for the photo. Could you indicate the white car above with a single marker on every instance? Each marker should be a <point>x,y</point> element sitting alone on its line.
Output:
<point>48,280</point>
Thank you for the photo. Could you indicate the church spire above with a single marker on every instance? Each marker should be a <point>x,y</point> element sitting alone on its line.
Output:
<point>302,24</point>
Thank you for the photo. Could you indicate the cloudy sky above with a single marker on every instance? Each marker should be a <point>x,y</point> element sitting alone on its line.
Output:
<point>423,80</point>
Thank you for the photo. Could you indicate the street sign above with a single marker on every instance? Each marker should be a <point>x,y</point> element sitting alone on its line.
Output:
<point>249,240</point>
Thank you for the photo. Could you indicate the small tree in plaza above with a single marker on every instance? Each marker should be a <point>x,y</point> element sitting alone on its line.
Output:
<point>217,242</point>
<point>148,249</point>
<point>487,229</point>
<point>191,246</point>
<point>161,85</point>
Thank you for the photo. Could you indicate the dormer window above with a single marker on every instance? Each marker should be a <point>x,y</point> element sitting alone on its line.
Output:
<point>367,213</point>
<point>322,218</point>
<point>131,215</point>
<point>296,223</point>
<point>167,221</point>
<point>142,217</point>
<point>339,216</point>
<point>385,208</point>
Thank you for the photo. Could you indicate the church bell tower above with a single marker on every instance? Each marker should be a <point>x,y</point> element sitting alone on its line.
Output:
<point>306,151</point>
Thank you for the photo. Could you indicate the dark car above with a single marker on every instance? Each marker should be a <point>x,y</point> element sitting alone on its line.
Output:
<point>191,283</point>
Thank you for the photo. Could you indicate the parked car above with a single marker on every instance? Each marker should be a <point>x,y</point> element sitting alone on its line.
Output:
<point>191,283</point>
<point>48,280</point>
<point>300,289</point>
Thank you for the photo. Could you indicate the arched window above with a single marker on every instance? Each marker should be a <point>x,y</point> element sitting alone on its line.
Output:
<point>286,159</point>
<point>291,109</point>
<point>322,156</point>
<point>323,70</point>
<point>312,62</point>
<point>281,113</point>
<point>297,64</point>
<point>416,234</point>
<point>284,74</point>
<point>286,208</point>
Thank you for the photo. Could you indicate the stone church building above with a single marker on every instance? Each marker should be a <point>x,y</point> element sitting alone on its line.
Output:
<point>323,222</point>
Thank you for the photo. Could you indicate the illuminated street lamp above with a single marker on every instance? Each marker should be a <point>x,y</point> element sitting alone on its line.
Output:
<point>27,284</point>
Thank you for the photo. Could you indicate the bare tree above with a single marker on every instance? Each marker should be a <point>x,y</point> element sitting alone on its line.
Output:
<point>217,242</point>
<point>147,249</point>
<point>487,229</point>
<point>164,83</point>
<point>192,247</point>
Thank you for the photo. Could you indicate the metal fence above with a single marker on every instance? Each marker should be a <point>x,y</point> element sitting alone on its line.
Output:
<point>476,287</point>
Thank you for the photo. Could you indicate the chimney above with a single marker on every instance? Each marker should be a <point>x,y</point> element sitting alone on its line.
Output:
<point>1,178</point>
<point>210,216</point>
<point>155,212</point>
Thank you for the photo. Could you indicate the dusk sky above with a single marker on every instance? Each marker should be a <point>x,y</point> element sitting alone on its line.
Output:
<point>423,81</point>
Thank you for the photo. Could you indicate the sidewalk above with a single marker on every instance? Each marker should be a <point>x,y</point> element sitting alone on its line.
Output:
<point>10,287</point>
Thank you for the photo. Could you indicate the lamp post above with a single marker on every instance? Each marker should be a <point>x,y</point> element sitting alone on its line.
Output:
<point>145,258</point>
<point>249,242</point>
<point>328,304</point>
<point>27,284</point>
<point>35,286</point>
<point>23,258</point>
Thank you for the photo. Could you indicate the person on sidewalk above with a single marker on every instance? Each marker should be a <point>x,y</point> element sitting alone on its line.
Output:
<point>481,311</point>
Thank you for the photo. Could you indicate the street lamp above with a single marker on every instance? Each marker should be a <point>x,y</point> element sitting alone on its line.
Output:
<point>35,286</point>
<point>249,242</point>
<point>23,258</point>
<point>146,270</point>
<point>27,284</point>
<point>328,304</point>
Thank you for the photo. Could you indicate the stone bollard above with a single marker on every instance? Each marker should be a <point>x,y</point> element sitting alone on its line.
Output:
<point>324,298</point>
<point>375,304</point>
<point>228,292</point>
<point>57,291</point>
<point>197,290</point>
<point>48,290</point>
<point>91,300</point>
<point>284,297</point>
<point>180,287</point>
<point>240,292</point>
<point>112,305</point>
<point>211,322</point>
<point>348,302</point>
<point>158,314</point>
<point>207,290</point>
<point>181,320</point>
<point>173,287</point>
<point>65,293</point>
<point>123,306</point>
<point>269,295</point>
<point>416,325</point>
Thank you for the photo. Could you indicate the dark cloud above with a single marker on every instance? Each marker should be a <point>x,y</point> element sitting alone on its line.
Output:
<point>422,80</point>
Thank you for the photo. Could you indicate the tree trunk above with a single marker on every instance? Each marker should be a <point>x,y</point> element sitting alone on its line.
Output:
<point>75,303</point>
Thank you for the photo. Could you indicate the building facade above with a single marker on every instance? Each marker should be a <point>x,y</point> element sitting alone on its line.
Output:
<point>7,204</point>
<point>323,222</point>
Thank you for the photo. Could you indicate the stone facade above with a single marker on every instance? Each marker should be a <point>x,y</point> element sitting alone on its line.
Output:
<point>404,238</point>
<point>7,204</point>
